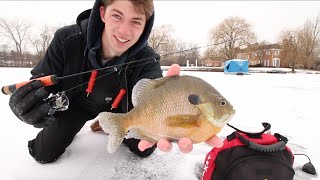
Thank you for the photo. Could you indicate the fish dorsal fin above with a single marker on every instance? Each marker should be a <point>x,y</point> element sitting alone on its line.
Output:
<point>143,87</point>
<point>140,89</point>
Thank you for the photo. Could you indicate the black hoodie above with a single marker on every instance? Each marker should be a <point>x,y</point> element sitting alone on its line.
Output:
<point>75,49</point>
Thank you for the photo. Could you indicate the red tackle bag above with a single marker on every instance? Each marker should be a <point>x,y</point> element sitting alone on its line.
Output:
<point>250,156</point>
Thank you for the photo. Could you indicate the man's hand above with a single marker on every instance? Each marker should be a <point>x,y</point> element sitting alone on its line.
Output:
<point>28,104</point>
<point>185,144</point>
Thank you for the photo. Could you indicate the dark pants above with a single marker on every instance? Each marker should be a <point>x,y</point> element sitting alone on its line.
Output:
<point>52,141</point>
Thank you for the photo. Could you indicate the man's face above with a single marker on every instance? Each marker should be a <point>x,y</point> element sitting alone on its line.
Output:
<point>123,27</point>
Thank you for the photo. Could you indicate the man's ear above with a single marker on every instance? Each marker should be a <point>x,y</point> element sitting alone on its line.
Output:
<point>102,11</point>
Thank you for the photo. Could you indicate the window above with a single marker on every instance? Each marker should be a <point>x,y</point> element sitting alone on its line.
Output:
<point>268,52</point>
<point>276,52</point>
<point>260,53</point>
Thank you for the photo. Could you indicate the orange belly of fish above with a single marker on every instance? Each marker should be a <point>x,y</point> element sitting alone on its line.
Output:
<point>204,132</point>
<point>201,133</point>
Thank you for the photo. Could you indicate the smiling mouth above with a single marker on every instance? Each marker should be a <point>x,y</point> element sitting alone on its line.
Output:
<point>121,40</point>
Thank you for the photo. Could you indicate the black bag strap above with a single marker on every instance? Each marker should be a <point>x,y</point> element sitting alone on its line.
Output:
<point>264,148</point>
<point>266,126</point>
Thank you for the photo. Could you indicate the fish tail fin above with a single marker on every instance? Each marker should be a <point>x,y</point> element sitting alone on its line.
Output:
<point>112,123</point>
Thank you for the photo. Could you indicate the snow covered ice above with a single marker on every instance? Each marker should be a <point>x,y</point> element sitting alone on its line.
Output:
<point>290,102</point>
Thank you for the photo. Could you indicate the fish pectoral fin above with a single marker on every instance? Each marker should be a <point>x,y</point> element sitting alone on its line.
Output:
<point>184,121</point>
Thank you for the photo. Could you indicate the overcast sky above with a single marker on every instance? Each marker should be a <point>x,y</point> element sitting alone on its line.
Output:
<point>191,20</point>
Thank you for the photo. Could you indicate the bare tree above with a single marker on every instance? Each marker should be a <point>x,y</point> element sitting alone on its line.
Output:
<point>192,53</point>
<point>234,33</point>
<point>42,41</point>
<point>181,55</point>
<point>15,30</point>
<point>161,39</point>
<point>4,48</point>
<point>213,53</point>
<point>300,46</point>
<point>310,41</point>
<point>291,47</point>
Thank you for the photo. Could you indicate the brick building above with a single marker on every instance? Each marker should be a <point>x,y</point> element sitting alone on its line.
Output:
<point>265,56</point>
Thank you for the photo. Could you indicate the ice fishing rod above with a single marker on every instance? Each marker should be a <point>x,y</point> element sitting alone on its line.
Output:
<point>54,79</point>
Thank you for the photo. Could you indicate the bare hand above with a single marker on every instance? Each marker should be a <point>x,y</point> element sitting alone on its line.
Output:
<point>185,145</point>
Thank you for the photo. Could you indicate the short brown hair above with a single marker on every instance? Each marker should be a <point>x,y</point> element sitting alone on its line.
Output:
<point>143,6</point>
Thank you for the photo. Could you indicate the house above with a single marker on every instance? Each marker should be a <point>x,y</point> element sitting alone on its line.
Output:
<point>213,63</point>
<point>265,55</point>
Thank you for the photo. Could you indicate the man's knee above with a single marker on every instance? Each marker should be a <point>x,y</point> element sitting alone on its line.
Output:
<point>43,155</point>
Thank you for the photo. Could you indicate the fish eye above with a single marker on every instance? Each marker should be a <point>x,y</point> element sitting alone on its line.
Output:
<point>223,102</point>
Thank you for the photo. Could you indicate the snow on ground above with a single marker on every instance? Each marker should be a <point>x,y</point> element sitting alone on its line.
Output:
<point>290,102</point>
<point>280,70</point>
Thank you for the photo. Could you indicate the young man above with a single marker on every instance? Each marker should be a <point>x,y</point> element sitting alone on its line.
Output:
<point>113,34</point>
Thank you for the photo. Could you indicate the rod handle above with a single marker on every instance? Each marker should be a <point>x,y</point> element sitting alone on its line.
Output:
<point>46,80</point>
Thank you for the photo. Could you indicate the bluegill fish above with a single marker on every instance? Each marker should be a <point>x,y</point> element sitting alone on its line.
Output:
<point>171,108</point>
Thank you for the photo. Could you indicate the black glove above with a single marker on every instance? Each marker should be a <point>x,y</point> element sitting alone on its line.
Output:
<point>28,104</point>
<point>132,143</point>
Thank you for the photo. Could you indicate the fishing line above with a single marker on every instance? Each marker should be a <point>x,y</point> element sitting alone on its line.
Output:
<point>60,102</point>
<point>53,79</point>
<point>111,71</point>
